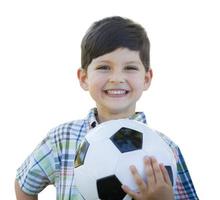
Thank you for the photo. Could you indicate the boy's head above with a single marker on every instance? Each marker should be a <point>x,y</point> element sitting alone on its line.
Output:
<point>111,33</point>
<point>115,66</point>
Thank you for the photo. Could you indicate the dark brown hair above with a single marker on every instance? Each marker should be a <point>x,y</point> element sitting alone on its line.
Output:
<point>110,33</point>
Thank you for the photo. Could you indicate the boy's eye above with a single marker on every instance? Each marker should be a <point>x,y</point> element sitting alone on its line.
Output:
<point>130,67</point>
<point>103,67</point>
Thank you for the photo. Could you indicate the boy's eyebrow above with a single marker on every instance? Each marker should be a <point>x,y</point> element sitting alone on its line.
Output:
<point>105,61</point>
<point>133,62</point>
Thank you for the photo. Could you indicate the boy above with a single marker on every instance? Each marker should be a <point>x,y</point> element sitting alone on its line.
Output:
<point>115,69</point>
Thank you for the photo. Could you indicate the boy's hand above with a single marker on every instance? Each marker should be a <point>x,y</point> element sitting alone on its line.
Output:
<point>158,186</point>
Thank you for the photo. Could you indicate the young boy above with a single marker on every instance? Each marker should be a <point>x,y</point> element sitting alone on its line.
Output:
<point>115,69</point>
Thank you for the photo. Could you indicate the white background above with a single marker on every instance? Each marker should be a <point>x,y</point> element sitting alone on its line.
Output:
<point>40,53</point>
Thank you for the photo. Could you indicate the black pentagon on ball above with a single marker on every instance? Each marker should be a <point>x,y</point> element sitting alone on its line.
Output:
<point>81,153</point>
<point>109,188</point>
<point>126,139</point>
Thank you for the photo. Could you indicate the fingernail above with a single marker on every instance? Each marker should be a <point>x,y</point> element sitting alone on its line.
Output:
<point>161,165</point>
<point>124,187</point>
<point>132,168</point>
<point>146,159</point>
<point>153,158</point>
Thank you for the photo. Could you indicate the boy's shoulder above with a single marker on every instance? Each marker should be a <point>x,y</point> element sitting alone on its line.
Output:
<point>69,127</point>
<point>72,130</point>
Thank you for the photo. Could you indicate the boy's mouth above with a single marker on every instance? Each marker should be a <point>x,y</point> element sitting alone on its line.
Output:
<point>116,92</point>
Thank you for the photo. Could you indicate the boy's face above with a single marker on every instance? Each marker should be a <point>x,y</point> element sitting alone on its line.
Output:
<point>116,81</point>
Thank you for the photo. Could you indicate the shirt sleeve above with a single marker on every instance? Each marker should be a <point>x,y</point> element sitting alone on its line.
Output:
<point>184,186</point>
<point>38,170</point>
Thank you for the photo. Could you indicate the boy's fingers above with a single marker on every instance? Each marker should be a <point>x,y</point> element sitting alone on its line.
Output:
<point>157,171</point>
<point>138,179</point>
<point>165,174</point>
<point>149,171</point>
<point>129,191</point>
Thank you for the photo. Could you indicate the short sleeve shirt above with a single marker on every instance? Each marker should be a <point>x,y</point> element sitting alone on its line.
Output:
<point>52,161</point>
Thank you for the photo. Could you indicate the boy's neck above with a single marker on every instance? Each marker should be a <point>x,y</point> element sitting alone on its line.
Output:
<point>106,116</point>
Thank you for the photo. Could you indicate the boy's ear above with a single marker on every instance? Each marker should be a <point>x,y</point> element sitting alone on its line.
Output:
<point>82,77</point>
<point>148,78</point>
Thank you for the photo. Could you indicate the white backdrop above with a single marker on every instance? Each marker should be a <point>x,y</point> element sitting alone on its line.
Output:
<point>40,53</point>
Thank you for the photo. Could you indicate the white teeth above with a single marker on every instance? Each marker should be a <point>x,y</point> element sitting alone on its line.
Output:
<point>115,92</point>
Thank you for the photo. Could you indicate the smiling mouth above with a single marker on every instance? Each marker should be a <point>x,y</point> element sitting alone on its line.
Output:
<point>116,92</point>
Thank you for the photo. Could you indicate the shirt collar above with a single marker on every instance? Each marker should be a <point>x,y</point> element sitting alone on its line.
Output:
<point>91,117</point>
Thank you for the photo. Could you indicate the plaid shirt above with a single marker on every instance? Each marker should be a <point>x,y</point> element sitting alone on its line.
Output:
<point>52,162</point>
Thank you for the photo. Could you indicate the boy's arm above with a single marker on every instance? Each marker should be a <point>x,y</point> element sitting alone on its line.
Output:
<point>36,172</point>
<point>20,195</point>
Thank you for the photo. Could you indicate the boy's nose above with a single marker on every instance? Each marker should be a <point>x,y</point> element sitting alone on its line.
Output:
<point>117,78</point>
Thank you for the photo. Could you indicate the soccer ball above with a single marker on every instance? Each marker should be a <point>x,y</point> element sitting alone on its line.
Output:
<point>102,161</point>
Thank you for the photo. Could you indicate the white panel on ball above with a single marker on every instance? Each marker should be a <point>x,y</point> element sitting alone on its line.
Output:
<point>102,163</point>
